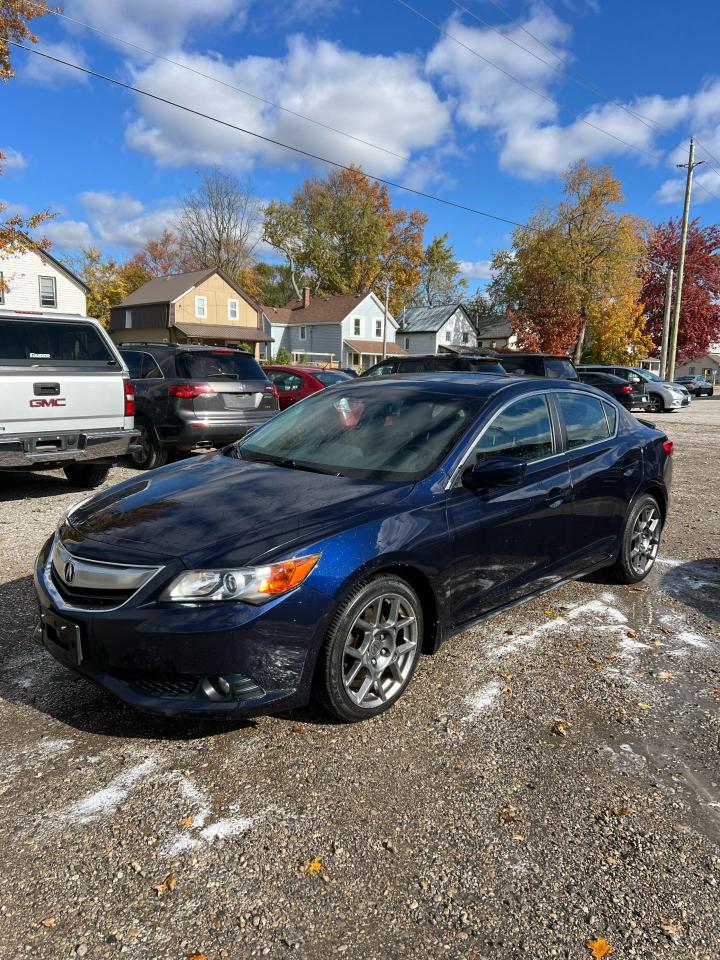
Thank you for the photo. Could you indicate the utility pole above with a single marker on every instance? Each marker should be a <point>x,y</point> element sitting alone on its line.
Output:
<point>387,296</point>
<point>666,321</point>
<point>691,164</point>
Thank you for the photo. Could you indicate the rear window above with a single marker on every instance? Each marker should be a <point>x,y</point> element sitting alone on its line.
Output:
<point>327,377</point>
<point>531,366</point>
<point>218,365</point>
<point>486,366</point>
<point>50,344</point>
<point>559,369</point>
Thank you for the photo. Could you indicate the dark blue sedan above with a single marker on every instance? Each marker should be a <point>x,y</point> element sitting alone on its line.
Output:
<point>326,550</point>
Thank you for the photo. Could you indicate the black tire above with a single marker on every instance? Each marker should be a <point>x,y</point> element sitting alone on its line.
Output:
<point>331,676</point>
<point>625,570</point>
<point>655,404</point>
<point>86,474</point>
<point>151,453</point>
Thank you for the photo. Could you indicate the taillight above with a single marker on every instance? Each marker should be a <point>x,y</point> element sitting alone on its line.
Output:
<point>129,398</point>
<point>188,391</point>
<point>627,389</point>
<point>272,390</point>
<point>668,447</point>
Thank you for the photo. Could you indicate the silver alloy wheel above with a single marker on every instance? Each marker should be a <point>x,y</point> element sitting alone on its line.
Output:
<point>655,405</point>
<point>380,651</point>
<point>645,539</point>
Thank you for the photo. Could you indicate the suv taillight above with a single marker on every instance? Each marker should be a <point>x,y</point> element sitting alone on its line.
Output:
<point>668,447</point>
<point>627,389</point>
<point>188,391</point>
<point>129,398</point>
<point>272,390</point>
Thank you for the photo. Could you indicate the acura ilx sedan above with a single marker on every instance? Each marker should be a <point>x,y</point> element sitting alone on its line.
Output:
<point>325,551</point>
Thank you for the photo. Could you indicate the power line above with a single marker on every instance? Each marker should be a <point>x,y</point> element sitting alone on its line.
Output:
<point>247,93</point>
<point>259,136</point>
<point>522,83</point>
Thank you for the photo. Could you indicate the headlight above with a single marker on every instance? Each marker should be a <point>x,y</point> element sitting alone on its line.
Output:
<point>251,584</point>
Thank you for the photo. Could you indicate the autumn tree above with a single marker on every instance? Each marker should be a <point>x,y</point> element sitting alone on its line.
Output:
<point>275,282</point>
<point>15,229</point>
<point>700,307</point>
<point>108,281</point>
<point>569,262</point>
<point>440,279</point>
<point>341,234</point>
<point>161,256</point>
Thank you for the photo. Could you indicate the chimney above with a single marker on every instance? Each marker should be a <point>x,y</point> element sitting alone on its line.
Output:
<point>306,297</point>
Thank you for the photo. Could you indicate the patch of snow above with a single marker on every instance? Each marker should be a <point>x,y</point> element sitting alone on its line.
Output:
<point>104,802</point>
<point>482,700</point>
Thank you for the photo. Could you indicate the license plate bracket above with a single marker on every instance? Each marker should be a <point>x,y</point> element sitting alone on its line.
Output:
<point>62,638</point>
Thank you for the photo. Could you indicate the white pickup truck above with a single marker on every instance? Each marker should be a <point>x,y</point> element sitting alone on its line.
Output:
<point>66,399</point>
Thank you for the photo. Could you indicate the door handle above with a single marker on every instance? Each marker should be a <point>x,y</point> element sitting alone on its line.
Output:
<point>556,497</point>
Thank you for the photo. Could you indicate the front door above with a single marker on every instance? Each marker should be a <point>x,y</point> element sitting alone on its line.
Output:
<point>509,541</point>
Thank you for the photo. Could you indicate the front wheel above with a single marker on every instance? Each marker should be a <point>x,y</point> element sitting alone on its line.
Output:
<point>640,541</point>
<point>656,404</point>
<point>371,650</point>
<point>86,474</point>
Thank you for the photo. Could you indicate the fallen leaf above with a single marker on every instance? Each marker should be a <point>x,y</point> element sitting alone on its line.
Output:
<point>296,728</point>
<point>671,928</point>
<point>638,589</point>
<point>665,675</point>
<point>656,642</point>
<point>549,613</point>
<point>508,814</point>
<point>197,956</point>
<point>643,706</point>
<point>597,664</point>
<point>186,821</point>
<point>167,886</point>
<point>561,727</point>
<point>517,837</point>
<point>581,644</point>
<point>611,656</point>
<point>620,811</point>
<point>48,922</point>
<point>505,676</point>
<point>598,948</point>
<point>312,866</point>
<point>631,632</point>
<point>715,691</point>
<point>505,690</point>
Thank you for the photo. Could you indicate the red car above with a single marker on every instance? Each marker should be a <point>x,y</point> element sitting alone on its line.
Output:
<point>294,383</point>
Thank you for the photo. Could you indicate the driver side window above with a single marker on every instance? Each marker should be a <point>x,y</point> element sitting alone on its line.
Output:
<point>523,430</point>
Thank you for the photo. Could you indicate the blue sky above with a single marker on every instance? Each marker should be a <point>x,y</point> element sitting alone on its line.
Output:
<point>114,164</point>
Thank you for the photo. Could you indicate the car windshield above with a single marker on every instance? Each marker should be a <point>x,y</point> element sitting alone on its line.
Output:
<point>375,433</point>
<point>218,365</point>
<point>328,377</point>
<point>649,375</point>
<point>560,369</point>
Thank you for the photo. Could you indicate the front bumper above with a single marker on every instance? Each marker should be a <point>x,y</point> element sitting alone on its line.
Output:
<point>47,450</point>
<point>185,659</point>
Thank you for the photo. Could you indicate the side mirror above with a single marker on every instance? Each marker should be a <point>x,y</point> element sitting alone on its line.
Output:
<point>495,472</point>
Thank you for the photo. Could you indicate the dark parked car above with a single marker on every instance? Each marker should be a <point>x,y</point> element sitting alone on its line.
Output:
<point>370,522</point>
<point>697,386</point>
<point>663,397</point>
<point>435,363</point>
<point>190,397</point>
<point>294,383</point>
<point>633,396</point>
<point>554,366</point>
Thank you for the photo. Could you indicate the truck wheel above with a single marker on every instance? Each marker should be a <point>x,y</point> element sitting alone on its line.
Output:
<point>86,474</point>
<point>149,452</point>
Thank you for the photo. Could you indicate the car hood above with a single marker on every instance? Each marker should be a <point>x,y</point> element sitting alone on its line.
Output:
<point>217,506</point>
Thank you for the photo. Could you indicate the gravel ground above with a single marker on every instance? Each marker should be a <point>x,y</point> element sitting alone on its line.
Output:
<point>550,779</point>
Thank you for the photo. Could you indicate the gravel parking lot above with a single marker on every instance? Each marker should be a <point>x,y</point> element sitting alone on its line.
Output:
<point>550,780</point>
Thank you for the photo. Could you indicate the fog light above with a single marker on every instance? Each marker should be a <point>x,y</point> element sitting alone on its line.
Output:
<point>223,686</point>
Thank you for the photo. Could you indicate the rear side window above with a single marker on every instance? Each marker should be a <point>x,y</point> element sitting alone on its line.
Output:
<point>449,364</point>
<point>559,369</point>
<point>218,365</point>
<point>49,344</point>
<point>133,359</point>
<point>522,430</point>
<point>486,366</point>
<point>531,366</point>
<point>150,369</point>
<point>412,366</point>
<point>611,414</point>
<point>384,370</point>
<point>584,417</point>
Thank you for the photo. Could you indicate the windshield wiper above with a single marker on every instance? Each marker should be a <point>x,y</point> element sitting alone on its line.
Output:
<point>289,463</point>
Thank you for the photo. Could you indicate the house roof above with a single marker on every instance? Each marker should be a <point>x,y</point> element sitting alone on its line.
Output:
<point>427,319</point>
<point>169,288</point>
<point>319,310</point>
<point>495,325</point>
<point>374,347</point>
<point>222,331</point>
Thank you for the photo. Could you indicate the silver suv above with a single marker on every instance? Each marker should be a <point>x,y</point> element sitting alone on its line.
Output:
<point>663,396</point>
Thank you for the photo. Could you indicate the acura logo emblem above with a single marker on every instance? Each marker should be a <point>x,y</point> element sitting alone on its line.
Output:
<point>69,571</point>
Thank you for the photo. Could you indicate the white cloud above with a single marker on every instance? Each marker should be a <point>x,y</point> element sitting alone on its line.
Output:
<point>476,269</point>
<point>67,234</point>
<point>51,74</point>
<point>380,99</point>
<point>156,24</point>
<point>12,159</point>
<point>116,220</point>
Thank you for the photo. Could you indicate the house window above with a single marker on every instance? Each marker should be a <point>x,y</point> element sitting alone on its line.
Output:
<point>692,370</point>
<point>378,328</point>
<point>356,327</point>
<point>303,333</point>
<point>355,359</point>
<point>48,293</point>
<point>201,308</point>
<point>407,343</point>
<point>448,336</point>
<point>480,343</point>
<point>128,319</point>
<point>466,337</point>
<point>233,307</point>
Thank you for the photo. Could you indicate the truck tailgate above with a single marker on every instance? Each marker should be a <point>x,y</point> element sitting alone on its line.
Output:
<point>43,401</point>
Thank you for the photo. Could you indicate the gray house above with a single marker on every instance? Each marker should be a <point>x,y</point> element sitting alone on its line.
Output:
<point>427,329</point>
<point>495,333</point>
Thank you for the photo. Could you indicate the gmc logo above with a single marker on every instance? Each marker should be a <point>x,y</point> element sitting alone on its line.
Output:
<point>48,402</point>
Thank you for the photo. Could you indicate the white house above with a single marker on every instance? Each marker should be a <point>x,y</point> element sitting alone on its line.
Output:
<point>37,281</point>
<point>347,329</point>
<point>425,330</point>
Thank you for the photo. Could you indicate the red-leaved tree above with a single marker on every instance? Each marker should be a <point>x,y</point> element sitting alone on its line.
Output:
<point>700,308</point>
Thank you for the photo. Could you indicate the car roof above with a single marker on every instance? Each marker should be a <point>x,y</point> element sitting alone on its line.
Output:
<point>144,346</point>
<point>465,383</point>
<point>301,367</point>
<point>547,356</point>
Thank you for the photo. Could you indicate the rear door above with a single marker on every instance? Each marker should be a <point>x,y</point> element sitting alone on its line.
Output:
<point>232,382</point>
<point>58,376</point>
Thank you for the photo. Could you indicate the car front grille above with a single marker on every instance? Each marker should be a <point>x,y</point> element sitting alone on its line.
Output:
<point>166,687</point>
<point>87,597</point>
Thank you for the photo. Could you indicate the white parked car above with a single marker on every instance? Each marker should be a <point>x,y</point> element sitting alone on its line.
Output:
<point>66,399</point>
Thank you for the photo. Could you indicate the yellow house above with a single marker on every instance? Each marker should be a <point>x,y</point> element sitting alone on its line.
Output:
<point>204,306</point>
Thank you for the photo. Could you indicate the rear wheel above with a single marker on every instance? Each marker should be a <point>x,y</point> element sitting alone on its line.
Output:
<point>371,650</point>
<point>149,452</point>
<point>655,404</point>
<point>640,542</point>
<point>86,474</point>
